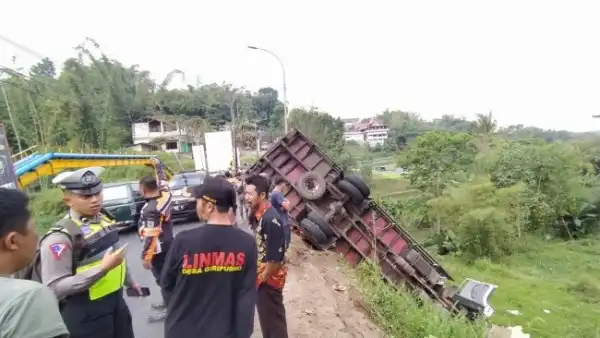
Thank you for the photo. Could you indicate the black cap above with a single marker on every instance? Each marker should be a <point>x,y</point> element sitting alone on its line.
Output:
<point>215,190</point>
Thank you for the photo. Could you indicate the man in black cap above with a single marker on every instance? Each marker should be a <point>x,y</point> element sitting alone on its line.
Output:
<point>82,261</point>
<point>209,276</point>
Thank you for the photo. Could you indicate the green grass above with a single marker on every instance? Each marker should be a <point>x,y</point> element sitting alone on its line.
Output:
<point>401,315</point>
<point>388,184</point>
<point>561,278</point>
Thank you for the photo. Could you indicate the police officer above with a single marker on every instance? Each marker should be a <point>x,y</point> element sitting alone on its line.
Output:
<point>82,262</point>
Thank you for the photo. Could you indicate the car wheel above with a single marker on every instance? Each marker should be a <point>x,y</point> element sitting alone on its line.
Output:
<point>311,185</point>
<point>351,191</point>
<point>313,233</point>
<point>360,184</point>
<point>321,223</point>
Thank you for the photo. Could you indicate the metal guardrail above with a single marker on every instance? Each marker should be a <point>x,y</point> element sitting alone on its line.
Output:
<point>23,154</point>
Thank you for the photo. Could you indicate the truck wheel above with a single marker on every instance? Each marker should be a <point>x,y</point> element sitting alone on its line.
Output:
<point>323,225</point>
<point>311,186</point>
<point>360,184</point>
<point>313,233</point>
<point>351,191</point>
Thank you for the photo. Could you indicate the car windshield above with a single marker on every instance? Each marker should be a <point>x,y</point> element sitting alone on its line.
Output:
<point>116,192</point>
<point>135,186</point>
<point>181,181</point>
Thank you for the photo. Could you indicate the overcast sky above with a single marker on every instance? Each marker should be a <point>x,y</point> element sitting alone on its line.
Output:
<point>530,62</point>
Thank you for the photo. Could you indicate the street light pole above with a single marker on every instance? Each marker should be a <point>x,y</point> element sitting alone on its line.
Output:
<point>285,101</point>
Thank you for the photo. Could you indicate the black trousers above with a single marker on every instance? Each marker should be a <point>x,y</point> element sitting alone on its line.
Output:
<point>107,317</point>
<point>271,312</point>
<point>158,262</point>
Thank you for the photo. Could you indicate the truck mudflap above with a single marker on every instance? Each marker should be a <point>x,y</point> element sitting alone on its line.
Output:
<point>334,214</point>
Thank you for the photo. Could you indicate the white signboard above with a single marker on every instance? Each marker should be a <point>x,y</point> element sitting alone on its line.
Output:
<point>198,155</point>
<point>219,150</point>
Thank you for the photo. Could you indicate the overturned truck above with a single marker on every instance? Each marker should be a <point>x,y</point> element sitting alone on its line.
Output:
<point>334,212</point>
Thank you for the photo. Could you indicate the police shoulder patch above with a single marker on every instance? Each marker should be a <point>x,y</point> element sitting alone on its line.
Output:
<point>57,249</point>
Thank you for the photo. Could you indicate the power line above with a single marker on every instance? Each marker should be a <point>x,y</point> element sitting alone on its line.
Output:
<point>22,47</point>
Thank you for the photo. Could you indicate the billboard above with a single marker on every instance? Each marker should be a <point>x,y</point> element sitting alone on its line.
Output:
<point>219,150</point>
<point>8,179</point>
<point>198,155</point>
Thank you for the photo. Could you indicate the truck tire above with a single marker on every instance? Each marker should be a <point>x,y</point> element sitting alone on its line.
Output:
<point>360,184</point>
<point>316,218</point>
<point>311,186</point>
<point>313,233</point>
<point>351,191</point>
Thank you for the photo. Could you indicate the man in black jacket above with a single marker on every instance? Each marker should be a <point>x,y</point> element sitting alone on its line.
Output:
<point>156,228</point>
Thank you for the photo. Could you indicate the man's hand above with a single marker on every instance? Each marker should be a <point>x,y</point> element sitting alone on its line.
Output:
<point>137,288</point>
<point>112,258</point>
<point>147,264</point>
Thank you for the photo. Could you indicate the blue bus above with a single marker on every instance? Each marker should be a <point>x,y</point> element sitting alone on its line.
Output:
<point>8,179</point>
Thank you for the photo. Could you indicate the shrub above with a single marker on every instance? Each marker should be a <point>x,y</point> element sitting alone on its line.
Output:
<point>486,220</point>
<point>486,232</point>
<point>557,178</point>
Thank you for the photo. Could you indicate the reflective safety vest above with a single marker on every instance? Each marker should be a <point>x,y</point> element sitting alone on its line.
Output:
<point>96,240</point>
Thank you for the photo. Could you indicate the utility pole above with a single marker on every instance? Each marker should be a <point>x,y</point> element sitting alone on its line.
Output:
<point>12,121</point>
<point>257,143</point>
<point>233,131</point>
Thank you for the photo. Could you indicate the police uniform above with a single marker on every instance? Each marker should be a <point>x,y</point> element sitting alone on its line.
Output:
<point>91,301</point>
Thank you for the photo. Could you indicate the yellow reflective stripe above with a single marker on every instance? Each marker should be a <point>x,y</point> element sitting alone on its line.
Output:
<point>151,232</point>
<point>111,282</point>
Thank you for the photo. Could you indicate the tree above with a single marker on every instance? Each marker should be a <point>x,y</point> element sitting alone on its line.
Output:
<point>485,124</point>
<point>326,131</point>
<point>437,158</point>
<point>94,100</point>
<point>44,68</point>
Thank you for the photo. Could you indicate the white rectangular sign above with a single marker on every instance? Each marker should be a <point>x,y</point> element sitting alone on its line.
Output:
<point>198,155</point>
<point>219,150</point>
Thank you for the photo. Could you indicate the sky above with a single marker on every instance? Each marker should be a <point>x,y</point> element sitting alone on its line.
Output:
<point>529,62</point>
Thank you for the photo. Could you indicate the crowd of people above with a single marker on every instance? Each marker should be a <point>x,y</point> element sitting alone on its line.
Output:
<point>213,278</point>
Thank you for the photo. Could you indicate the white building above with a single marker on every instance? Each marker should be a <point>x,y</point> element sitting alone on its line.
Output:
<point>369,131</point>
<point>166,136</point>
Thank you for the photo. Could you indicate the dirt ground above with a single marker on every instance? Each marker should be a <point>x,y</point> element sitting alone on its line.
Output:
<point>319,300</point>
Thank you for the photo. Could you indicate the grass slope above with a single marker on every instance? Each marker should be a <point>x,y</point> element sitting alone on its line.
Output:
<point>553,284</point>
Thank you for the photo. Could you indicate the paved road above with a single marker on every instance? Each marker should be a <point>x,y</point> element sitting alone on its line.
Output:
<point>140,307</point>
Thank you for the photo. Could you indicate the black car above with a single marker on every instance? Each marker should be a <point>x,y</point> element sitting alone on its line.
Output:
<point>123,202</point>
<point>183,208</point>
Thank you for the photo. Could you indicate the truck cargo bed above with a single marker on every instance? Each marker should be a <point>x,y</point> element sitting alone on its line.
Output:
<point>332,211</point>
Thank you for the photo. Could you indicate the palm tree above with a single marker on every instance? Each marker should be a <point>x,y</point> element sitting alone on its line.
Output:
<point>485,124</point>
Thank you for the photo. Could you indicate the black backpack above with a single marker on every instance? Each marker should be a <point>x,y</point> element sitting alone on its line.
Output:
<point>33,270</point>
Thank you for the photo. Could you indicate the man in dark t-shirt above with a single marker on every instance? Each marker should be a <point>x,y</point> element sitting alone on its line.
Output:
<point>272,270</point>
<point>210,272</point>
<point>282,205</point>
